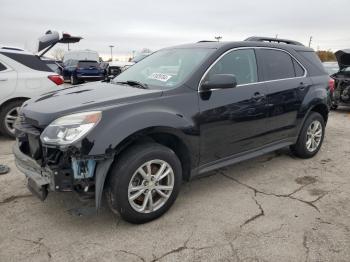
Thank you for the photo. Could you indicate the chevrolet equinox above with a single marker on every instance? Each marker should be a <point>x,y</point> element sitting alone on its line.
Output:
<point>177,114</point>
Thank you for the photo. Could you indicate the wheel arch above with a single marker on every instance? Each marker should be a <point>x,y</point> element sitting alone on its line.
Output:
<point>167,136</point>
<point>322,109</point>
<point>20,98</point>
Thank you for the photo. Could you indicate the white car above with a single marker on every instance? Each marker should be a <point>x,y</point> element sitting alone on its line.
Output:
<point>22,76</point>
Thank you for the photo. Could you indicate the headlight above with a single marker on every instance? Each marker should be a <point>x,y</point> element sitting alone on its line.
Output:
<point>68,129</point>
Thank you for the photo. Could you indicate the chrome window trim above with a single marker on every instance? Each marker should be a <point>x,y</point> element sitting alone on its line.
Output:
<point>253,83</point>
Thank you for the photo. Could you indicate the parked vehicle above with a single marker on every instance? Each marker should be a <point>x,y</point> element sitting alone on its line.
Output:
<point>22,76</point>
<point>116,67</point>
<point>341,94</point>
<point>55,66</point>
<point>78,55</point>
<point>84,70</point>
<point>139,57</point>
<point>331,67</point>
<point>180,113</point>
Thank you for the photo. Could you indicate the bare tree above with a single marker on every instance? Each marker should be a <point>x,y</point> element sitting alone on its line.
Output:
<point>58,53</point>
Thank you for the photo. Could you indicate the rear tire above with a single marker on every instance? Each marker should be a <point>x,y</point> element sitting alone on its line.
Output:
<point>133,188</point>
<point>334,106</point>
<point>8,115</point>
<point>311,137</point>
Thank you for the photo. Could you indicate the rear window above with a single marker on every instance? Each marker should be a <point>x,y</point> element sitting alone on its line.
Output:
<point>87,64</point>
<point>2,67</point>
<point>313,59</point>
<point>30,61</point>
<point>277,65</point>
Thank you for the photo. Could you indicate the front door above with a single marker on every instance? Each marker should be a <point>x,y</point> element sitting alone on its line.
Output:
<point>233,120</point>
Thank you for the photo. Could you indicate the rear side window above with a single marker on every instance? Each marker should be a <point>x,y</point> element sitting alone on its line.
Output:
<point>241,63</point>
<point>2,67</point>
<point>276,64</point>
<point>299,71</point>
<point>30,61</point>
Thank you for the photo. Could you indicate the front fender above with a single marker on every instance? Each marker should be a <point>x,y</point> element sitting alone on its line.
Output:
<point>115,128</point>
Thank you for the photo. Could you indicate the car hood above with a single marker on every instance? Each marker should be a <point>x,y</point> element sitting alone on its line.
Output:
<point>343,58</point>
<point>42,110</point>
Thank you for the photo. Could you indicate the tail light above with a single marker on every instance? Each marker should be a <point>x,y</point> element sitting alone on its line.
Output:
<point>331,85</point>
<point>57,79</point>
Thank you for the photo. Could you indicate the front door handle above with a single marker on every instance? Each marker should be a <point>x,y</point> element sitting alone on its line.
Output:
<point>3,79</point>
<point>258,96</point>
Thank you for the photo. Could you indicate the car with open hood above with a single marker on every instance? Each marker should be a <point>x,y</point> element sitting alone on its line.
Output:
<point>177,114</point>
<point>24,75</point>
<point>341,95</point>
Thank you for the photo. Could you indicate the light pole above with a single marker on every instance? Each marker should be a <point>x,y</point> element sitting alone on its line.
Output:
<point>218,38</point>
<point>111,47</point>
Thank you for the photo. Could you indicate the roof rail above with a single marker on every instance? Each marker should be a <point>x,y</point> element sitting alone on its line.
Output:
<point>206,41</point>
<point>273,40</point>
<point>11,48</point>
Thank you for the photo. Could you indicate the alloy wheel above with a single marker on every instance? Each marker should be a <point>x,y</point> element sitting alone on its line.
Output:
<point>314,136</point>
<point>10,119</point>
<point>151,186</point>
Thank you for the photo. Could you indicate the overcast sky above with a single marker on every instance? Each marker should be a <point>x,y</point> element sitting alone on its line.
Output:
<point>133,25</point>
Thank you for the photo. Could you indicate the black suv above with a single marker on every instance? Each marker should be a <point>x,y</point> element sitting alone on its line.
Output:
<point>177,114</point>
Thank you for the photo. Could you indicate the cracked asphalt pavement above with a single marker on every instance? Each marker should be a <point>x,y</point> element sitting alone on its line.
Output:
<point>272,208</point>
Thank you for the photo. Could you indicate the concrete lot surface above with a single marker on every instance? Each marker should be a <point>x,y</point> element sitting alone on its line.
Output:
<point>272,208</point>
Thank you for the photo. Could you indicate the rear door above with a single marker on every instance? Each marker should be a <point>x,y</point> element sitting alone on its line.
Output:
<point>287,84</point>
<point>232,120</point>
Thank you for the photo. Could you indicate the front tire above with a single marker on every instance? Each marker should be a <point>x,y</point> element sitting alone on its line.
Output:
<point>311,137</point>
<point>8,116</point>
<point>73,79</point>
<point>144,182</point>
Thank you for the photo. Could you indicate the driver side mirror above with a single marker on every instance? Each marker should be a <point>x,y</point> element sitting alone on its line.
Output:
<point>219,81</point>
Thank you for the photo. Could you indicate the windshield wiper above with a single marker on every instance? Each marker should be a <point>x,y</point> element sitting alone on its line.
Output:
<point>134,84</point>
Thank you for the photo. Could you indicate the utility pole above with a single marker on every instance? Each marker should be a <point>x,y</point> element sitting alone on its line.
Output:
<point>310,41</point>
<point>111,47</point>
<point>218,38</point>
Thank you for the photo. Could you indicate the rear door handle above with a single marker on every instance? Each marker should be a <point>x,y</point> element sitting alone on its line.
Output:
<point>302,86</point>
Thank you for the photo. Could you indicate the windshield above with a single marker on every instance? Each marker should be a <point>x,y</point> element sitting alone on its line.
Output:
<point>165,68</point>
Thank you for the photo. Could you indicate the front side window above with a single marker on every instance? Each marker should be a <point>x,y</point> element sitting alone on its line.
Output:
<point>165,69</point>
<point>240,63</point>
<point>277,65</point>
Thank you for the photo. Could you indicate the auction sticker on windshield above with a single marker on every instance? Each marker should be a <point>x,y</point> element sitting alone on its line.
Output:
<point>160,77</point>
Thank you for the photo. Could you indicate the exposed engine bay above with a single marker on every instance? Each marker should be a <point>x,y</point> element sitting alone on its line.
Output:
<point>342,89</point>
<point>341,93</point>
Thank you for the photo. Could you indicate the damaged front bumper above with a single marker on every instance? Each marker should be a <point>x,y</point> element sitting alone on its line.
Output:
<point>85,176</point>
